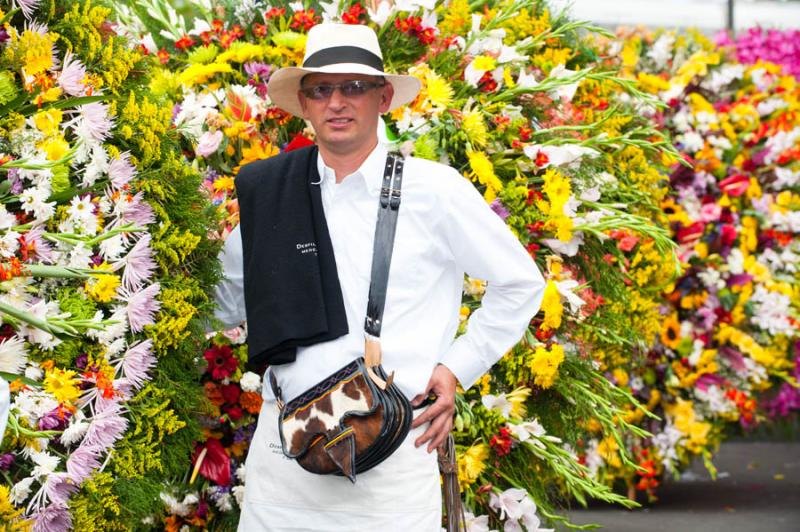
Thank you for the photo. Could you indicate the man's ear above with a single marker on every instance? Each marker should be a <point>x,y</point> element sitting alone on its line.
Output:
<point>387,93</point>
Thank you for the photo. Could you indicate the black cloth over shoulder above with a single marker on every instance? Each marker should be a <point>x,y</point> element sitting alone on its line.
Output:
<point>291,286</point>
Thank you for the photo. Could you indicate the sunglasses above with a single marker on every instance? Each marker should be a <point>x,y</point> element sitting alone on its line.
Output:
<point>349,89</point>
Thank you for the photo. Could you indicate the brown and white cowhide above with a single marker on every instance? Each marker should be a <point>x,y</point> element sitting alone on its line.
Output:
<point>324,415</point>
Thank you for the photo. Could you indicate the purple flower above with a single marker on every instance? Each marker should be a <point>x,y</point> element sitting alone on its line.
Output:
<point>121,171</point>
<point>52,518</point>
<point>3,35</point>
<point>137,361</point>
<point>257,70</point>
<point>139,264</point>
<point>82,462</point>
<point>6,461</point>
<point>53,420</point>
<point>92,122</point>
<point>38,247</point>
<point>107,425</point>
<point>500,209</point>
<point>142,306</point>
<point>81,361</point>
<point>72,74</point>
<point>135,210</point>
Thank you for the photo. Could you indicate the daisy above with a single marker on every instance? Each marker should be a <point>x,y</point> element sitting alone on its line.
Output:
<point>13,355</point>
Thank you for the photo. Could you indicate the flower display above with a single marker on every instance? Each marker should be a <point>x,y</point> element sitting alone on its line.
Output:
<point>557,143</point>
<point>728,344</point>
<point>105,271</point>
<point>651,177</point>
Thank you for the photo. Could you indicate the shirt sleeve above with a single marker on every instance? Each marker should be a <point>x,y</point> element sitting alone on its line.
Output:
<point>485,248</point>
<point>229,293</point>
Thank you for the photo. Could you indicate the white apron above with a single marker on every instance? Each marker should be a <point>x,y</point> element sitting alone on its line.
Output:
<point>402,494</point>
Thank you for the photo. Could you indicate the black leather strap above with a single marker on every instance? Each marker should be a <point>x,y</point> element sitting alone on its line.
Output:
<point>385,228</point>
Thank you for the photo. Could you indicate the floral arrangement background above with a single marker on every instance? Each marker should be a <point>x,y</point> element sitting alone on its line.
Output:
<point>622,376</point>
<point>106,271</point>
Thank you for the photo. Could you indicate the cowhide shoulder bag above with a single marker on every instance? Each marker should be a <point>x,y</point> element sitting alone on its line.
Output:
<point>356,417</point>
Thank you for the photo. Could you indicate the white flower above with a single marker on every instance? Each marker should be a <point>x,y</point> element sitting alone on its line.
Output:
<point>476,523</point>
<point>497,402</point>
<point>508,503</point>
<point>565,288</point>
<point>661,51</point>
<point>250,382</point>
<point>9,244</point>
<point>34,372</point>
<point>42,309</point>
<point>7,220</point>
<point>240,473</point>
<point>771,312</point>
<point>13,355</point>
<point>21,490</point>
<point>79,256</point>
<point>524,431</point>
<point>559,155</point>
<point>75,430</point>
<point>81,216</point>
<point>113,247</point>
<point>570,249</point>
<point>380,15</point>
<point>238,492</point>
<point>97,166</point>
<point>46,464</point>
<point>34,200</point>
<point>563,92</point>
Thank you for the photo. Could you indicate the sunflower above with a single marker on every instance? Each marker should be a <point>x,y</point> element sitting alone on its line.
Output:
<point>671,332</point>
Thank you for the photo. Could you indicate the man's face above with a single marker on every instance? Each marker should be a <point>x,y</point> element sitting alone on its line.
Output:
<point>345,123</point>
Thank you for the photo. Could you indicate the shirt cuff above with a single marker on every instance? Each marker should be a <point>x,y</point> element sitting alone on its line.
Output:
<point>462,361</point>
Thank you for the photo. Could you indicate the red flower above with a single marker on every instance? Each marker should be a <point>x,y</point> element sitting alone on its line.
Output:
<point>299,141</point>
<point>691,233</point>
<point>259,30</point>
<point>541,159</point>
<point>163,56</point>
<point>501,442</point>
<point>304,19</point>
<point>221,362</point>
<point>216,464</point>
<point>231,393</point>
<point>353,15</point>
<point>184,42</point>
<point>234,412</point>
<point>735,185</point>
<point>727,234</point>
<point>525,133</point>
<point>275,12</point>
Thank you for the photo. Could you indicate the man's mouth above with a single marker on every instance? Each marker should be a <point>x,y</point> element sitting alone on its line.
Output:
<point>340,120</point>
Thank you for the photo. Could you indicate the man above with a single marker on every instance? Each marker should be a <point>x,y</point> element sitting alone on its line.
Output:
<point>444,229</point>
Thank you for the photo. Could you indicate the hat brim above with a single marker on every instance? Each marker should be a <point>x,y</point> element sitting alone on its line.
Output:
<point>284,84</point>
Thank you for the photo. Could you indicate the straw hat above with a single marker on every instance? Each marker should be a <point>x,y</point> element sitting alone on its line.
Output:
<point>338,49</point>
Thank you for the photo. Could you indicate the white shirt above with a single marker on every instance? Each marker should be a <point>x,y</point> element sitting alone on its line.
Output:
<point>444,229</point>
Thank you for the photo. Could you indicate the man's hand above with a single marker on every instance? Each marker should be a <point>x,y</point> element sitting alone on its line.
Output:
<point>440,413</point>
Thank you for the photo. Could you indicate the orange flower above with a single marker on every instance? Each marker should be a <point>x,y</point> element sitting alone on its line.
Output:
<point>214,394</point>
<point>251,401</point>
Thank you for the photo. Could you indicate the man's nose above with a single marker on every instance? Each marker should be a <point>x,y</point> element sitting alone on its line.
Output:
<point>337,100</point>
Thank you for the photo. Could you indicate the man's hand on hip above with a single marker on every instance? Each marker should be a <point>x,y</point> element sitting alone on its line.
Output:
<point>440,413</point>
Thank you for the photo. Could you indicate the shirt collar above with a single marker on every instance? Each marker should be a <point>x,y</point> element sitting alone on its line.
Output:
<point>371,170</point>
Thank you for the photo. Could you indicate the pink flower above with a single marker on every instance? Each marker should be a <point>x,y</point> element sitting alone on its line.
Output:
<point>139,264</point>
<point>120,170</point>
<point>209,143</point>
<point>137,361</point>
<point>142,307</point>
<point>71,77</point>
<point>710,212</point>
<point>52,518</point>
<point>92,122</point>
<point>107,426</point>
<point>82,462</point>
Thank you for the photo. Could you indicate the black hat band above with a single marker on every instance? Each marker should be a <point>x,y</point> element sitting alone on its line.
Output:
<point>343,54</point>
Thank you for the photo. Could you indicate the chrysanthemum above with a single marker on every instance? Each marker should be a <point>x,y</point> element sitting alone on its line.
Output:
<point>92,123</point>
<point>62,384</point>
<point>137,361</point>
<point>142,306</point>
<point>72,75</point>
<point>120,170</point>
<point>139,264</point>
<point>475,127</point>
<point>106,427</point>
<point>13,355</point>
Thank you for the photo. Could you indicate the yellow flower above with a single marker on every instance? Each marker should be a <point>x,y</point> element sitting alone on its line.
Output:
<point>62,384</point>
<point>197,74</point>
<point>552,307</point>
<point>472,463</point>
<point>630,52</point>
<point>608,449</point>
<point>484,62</point>
<point>102,287</point>
<point>544,365</point>
<point>241,52</point>
<point>38,51</point>
<point>483,170</point>
<point>256,151</point>
<point>55,148</point>
<point>558,190</point>
<point>435,95</point>
<point>48,121</point>
<point>652,83</point>
<point>485,384</point>
<point>475,128</point>
<point>517,399</point>
<point>223,183</point>
<point>671,332</point>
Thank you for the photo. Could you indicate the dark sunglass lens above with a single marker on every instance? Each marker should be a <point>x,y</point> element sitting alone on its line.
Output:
<point>355,87</point>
